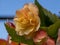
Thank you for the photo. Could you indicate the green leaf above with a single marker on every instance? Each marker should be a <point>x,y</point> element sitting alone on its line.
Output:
<point>16,37</point>
<point>53,30</point>
<point>41,14</point>
<point>47,18</point>
<point>52,17</point>
<point>44,28</point>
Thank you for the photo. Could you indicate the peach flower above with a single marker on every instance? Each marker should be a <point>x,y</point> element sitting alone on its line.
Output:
<point>27,20</point>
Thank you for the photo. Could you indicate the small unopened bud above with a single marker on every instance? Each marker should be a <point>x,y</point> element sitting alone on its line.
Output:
<point>10,24</point>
